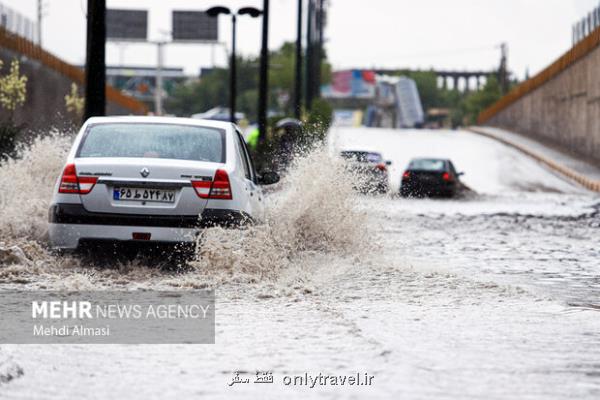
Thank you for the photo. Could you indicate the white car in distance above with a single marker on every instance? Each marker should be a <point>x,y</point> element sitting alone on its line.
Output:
<point>154,179</point>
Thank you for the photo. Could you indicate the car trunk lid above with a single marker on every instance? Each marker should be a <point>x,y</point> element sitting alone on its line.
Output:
<point>145,185</point>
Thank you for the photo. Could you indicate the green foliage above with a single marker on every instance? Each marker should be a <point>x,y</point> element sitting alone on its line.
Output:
<point>318,121</point>
<point>212,90</point>
<point>464,108</point>
<point>201,95</point>
<point>13,88</point>
<point>476,102</point>
<point>74,102</point>
<point>13,93</point>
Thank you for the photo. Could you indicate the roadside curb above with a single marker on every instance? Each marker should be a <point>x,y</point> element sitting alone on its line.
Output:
<point>590,184</point>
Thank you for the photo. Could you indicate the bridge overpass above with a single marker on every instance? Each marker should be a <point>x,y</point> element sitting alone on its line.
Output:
<point>449,79</point>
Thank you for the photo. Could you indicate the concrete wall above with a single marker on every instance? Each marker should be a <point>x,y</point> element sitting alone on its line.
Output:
<point>49,80</point>
<point>559,106</point>
<point>46,89</point>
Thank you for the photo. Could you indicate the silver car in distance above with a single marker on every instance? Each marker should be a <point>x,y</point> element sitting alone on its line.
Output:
<point>154,179</point>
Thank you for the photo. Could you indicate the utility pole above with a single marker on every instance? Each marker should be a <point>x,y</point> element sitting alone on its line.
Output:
<point>95,65</point>
<point>40,6</point>
<point>309,56</point>
<point>158,90</point>
<point>263,93</point>
<point>503,71</point>
<point>233,71</point>
<point>298,81</point>
<point>318,57</point>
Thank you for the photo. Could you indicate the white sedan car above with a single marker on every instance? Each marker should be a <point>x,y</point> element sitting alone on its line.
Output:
<point>154,179</point>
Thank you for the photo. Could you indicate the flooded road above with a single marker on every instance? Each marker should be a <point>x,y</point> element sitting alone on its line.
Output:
<point>494,296</point>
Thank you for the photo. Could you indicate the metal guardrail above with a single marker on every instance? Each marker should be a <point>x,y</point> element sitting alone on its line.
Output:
<point>579,51</point>
<point>18,44</point>
<point>586,25</point>
<point>18,24</point>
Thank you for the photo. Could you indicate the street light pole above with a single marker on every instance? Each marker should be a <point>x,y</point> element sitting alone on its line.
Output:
<point>298,81</point>
<point>264,75</point>
<point>95,66</point>
<point>214,12</point>
<point>158,90</point>
<point>232,72</point>
<point>309,57</point>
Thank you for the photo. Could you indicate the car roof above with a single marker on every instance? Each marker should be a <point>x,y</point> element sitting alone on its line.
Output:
<point>359,151</point>
<point>161,120</point>
<point>430,159</point>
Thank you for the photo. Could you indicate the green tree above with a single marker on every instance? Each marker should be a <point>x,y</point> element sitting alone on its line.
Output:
<point>476,102</point>
<point>212,90</point>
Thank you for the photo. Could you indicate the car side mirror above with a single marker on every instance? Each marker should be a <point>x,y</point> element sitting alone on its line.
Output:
<point>268,178</point>
<point>388,163</point>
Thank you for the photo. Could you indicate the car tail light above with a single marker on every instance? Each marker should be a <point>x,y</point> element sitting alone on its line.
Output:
<point>406,175</point>
<point>219,188</point>
<point>202,188</point>
<point>381,167</point>
<point>71,183</point>
<point>446,176</point>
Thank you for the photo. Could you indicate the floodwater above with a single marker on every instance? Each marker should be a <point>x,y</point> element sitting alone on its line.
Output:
<point>492,296</point>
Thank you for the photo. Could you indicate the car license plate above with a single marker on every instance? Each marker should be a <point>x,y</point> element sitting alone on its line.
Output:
<point>144,194</point>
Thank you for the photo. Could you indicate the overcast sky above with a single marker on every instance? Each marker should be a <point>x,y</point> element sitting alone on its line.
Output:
<point>448,34</point>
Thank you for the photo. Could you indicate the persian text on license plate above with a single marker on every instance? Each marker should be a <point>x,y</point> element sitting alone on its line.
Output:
<point>144,194</point>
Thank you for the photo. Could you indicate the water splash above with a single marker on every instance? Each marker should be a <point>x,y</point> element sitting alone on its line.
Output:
<point>26,184</point>
<point>311,215</point>
<point>314,213</point>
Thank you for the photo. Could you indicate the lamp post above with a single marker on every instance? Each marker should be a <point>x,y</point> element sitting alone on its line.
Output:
<point>214,12</point>
<point>95,64</point>
<point>298,78</point>
<point>263,92</point>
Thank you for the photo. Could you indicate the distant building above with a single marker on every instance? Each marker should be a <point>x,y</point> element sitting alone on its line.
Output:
<point>390,101</point>
<point>397,104</point>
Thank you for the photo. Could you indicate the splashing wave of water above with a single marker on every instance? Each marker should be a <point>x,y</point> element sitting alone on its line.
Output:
<point>312,214</point>
<point>26,185</point>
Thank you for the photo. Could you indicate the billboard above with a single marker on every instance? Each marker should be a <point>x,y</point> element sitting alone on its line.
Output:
<point>195,26</point>
<point>126,24</point>
<point>351,84</point>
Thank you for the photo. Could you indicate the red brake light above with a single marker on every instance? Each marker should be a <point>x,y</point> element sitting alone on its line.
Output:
<point>446,176</point>
<point>219,188</point>
<point>71,183</point>
<point>406,175</point>
<point>381,167</point>
<point>202,188</point>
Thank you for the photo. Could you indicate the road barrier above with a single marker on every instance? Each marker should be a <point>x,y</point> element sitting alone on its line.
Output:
<point>579,51</point>
<point>25,47</point>
<point>588,183</point>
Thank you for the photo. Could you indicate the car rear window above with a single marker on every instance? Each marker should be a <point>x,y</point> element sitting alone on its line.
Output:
<point>362,156</point>
<point>427,165</point>
<point>140,140</point>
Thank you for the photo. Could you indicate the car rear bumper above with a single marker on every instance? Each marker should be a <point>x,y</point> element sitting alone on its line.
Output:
<point>69,236</point>
<point>427,189</point>
<point>72,223</point>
